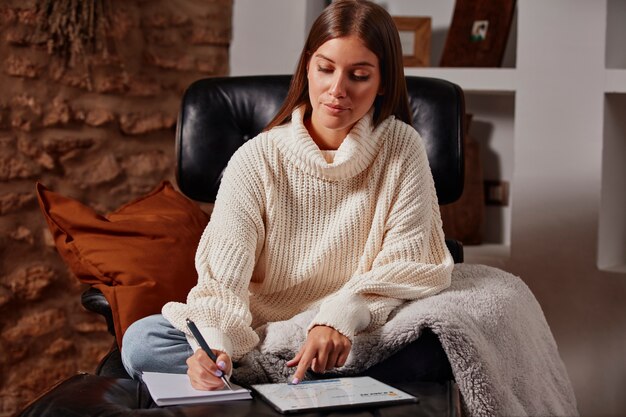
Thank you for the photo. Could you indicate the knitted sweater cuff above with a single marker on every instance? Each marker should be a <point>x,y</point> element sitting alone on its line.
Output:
<point>216,339</point>
<point>348,315</point>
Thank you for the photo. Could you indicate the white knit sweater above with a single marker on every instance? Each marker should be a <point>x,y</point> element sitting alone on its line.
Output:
<point>290,232</point>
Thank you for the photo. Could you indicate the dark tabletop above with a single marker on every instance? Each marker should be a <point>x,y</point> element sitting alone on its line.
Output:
<point>91,395</point>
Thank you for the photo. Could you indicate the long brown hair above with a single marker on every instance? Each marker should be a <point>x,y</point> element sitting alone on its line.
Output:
<point>375,27</point>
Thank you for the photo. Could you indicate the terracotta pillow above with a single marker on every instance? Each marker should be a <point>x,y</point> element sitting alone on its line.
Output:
<point>140,256</point>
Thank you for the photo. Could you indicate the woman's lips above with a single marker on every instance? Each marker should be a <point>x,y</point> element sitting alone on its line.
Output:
<point>335,108</point>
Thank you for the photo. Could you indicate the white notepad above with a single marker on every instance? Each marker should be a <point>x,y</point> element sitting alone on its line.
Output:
<point>331,393</point>
<point>173,389</point>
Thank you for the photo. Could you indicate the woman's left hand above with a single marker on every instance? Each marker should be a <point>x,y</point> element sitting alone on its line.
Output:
<point>325,348</point>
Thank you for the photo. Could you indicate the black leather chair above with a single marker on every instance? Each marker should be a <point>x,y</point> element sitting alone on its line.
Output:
<point>218,115</point>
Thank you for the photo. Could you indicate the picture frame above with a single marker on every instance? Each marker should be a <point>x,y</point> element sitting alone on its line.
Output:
<point>478,33</point>
<point>415,37</point>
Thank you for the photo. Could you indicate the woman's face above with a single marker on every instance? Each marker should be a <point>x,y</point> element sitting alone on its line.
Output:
<point>344,79</point>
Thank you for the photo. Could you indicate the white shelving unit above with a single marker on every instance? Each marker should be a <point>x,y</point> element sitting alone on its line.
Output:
<point>615,81</point>
<point>612,222</point>
<point>615,55</point>
<point>473,80</point>
<point>490,98</point>
<point>612,225</point>
<point>490,94</point>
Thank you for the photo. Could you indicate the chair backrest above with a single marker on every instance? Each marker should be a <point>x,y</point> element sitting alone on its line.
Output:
<point>218,115</point>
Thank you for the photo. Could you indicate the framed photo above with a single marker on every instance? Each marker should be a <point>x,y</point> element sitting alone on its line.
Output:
<point>478,33</point>
<point>415,37</point>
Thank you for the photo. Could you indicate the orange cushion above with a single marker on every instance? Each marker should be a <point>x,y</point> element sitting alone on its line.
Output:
<point>140,256</point>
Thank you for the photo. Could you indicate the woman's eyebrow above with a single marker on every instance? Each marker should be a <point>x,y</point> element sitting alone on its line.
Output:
<point>356,64</point>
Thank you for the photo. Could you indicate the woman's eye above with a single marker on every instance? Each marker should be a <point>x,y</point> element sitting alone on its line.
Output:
<point>324,69</point>
<point>359,77</point>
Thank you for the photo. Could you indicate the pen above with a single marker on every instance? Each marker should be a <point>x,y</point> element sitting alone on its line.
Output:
<point>203,344</point>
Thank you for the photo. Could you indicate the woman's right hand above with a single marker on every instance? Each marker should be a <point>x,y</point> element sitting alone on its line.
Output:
<point>206,375</point>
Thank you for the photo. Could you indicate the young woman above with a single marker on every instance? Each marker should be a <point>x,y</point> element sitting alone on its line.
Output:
<point>332,208</point>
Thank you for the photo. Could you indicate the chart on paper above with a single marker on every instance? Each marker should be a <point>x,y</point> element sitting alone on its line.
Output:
<point>339,392</point>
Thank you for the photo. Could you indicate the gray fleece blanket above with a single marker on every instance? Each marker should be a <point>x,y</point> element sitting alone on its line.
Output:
<point>502,352</point>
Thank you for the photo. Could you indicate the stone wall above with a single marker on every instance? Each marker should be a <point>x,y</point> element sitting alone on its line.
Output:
<point>103,136</point>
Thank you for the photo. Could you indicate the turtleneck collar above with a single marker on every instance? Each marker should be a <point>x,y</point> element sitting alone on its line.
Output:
<point>355,154</point>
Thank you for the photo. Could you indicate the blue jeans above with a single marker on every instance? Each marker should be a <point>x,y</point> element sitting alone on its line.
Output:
<point>152,344</point>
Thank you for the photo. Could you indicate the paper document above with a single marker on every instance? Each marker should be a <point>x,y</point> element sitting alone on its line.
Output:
<point>172,389</point>
<point>331,393</point>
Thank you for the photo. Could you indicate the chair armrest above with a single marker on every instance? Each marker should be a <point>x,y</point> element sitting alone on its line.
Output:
<point>93,395</point>
<point>93,300</point>
<point>456,250</point>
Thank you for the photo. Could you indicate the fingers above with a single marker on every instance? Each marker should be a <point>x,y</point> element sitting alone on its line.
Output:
<point>343,357</point>
<point>324,349</point>
<point>331,362</point>
<point>303,365</point>
<point>223,362</point>
<point>203,373</point>
<point>296,359</point>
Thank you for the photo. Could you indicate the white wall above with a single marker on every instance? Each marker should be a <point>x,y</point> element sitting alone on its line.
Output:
<point>558,169</point>
<point>268,35</point>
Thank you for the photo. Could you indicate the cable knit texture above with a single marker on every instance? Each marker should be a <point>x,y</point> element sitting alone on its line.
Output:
<point>291,231</point>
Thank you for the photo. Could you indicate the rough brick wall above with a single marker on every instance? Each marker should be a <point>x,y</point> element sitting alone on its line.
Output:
<point>102,139</point>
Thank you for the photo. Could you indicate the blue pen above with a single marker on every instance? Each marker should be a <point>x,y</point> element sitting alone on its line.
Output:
<point>204,345</point>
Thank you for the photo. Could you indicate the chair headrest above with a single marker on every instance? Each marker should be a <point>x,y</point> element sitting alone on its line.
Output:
<point>218,115</point>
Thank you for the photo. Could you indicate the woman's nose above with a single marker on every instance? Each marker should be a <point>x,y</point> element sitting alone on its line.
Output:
<point>338,88</point>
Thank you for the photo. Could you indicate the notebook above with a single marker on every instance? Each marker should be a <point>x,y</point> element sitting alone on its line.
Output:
<point>174,389</point>
<point>331,394</point>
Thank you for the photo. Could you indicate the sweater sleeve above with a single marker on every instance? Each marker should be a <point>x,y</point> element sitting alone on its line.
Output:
<point>225,260</point>
<point>413,260</point>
